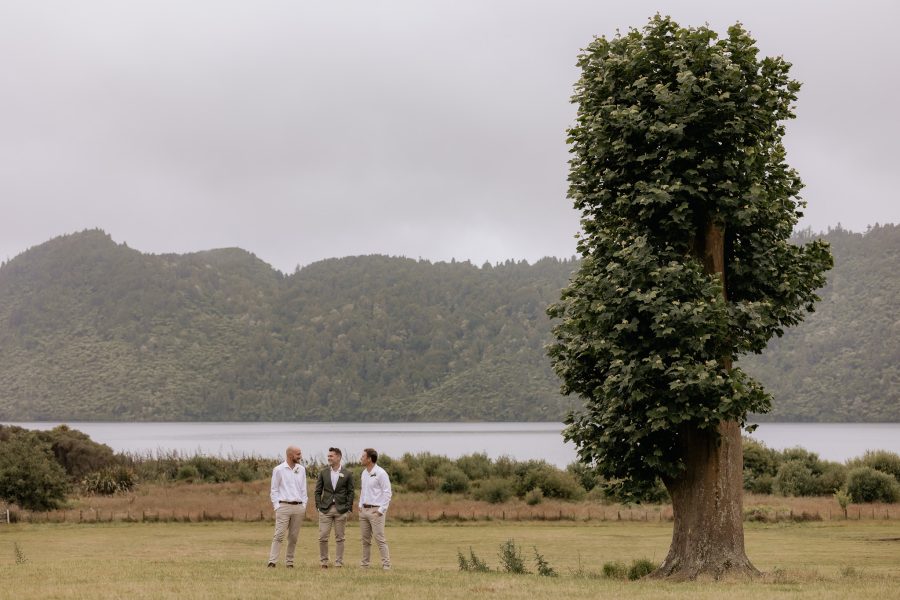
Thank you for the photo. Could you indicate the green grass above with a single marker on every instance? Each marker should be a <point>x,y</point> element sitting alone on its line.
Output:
<point>227,560</point>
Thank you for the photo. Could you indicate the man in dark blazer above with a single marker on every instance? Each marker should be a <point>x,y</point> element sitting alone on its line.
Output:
<point>334,500</point>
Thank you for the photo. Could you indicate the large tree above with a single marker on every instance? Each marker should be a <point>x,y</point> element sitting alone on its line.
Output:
<point>687,205</point>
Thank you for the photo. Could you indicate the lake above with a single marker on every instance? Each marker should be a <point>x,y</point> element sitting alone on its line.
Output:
<point>832,441</point>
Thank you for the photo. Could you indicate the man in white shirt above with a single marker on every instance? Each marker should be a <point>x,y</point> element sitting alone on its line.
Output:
<point>288,494</point>
<point>374,498</point>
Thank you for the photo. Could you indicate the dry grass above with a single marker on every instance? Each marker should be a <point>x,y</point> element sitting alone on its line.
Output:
<point>845,559</point>
<point>250,502</point>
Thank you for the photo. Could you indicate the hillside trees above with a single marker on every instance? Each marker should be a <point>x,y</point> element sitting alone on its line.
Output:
<point>687,208</point>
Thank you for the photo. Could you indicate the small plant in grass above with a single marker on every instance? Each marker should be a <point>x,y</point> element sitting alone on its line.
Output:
<point>615,569</point>
<point>534,497</point>
<point>462,561</point>
<point>639,568</point>
<point>843,499</point>
<point>581,572</point>
<point>476,564</point>
<point>472,562</point>
<point>851,572</point>
<point>511,559</point>
<point>20,554</point>
<point>543,567</point>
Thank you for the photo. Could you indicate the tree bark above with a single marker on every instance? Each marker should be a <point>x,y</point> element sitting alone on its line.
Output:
<point>707,503</point>
<point>707,498</point>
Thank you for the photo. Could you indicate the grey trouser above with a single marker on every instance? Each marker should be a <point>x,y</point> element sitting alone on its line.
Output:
<point>287,521</point>
<point>372,524</point>
<point>326,521</point>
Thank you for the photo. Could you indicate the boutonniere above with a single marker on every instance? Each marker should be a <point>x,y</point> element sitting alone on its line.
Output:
<point>296,469</point>
<point>340,475</point>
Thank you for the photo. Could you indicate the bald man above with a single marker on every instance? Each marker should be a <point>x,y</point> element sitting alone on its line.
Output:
<point>288,496</point>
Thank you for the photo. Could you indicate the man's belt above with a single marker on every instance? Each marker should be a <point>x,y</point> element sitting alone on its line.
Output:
<point>288,502</point>
<point>370,506</point>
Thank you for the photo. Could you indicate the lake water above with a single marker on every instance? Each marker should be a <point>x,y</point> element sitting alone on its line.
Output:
<point>832,441</point>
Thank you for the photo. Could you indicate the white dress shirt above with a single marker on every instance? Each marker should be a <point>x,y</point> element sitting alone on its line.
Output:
<point>288,484</point>
<point>335,475</point>
<point>375,489</point>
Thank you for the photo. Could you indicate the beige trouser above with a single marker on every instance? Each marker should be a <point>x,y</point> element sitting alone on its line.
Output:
<point>326,521</point>
<point>372,524</point>
<point>287,521</point>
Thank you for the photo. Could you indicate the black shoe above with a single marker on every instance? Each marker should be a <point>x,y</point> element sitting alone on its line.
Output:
<point>271,565</point>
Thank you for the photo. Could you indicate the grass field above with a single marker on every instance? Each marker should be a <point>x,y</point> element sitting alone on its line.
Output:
<point>840,559</point>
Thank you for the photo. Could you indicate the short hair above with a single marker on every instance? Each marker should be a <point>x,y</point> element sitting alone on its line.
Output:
<point>336,451</point>
<point>373,454</point>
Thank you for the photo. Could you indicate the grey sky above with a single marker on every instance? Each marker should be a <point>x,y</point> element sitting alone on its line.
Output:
<point>303,130</point>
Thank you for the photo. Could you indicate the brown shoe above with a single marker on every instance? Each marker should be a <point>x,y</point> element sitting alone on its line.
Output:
<point>271,565</point>
<point>324,566</point>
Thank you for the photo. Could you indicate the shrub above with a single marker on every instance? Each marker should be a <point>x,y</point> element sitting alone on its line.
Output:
<point>794,478</point>
<point>615,570</point>
<point>455,481</point>
<point>833,478</point>
<point>810,459</point>
<point>494,490</point>
<point>759,459</point>
<point>417,481</point>
<point>187,473</point>
<point>245,473</point>
<point>585,475</point>
<point>511,559</point>
<point>399,472</point>
<point>640,568</point>
<point>504,467</point>
<point>432,464</point>
<point>758,484</point>
<point>209,469</point>
<point>109,481</point>
<point>551,481</point>
<point>534,497</point>
<point>76,452</point>
<point>475,466</point>
<point>29,473</point>
<point>865,484</point>
<point>881,460</point>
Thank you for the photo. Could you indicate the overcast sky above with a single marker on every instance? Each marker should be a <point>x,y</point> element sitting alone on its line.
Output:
<point>303,130</point>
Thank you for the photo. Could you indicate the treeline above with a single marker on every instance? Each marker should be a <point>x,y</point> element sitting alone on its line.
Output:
<point>94,330</point>
<point>39,469</point>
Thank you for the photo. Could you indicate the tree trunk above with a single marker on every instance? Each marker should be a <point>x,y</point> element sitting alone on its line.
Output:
<point>707,502</point>
<point>707,498</point>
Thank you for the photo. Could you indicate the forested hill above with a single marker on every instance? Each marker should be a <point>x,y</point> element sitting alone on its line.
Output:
<point>93,330</point>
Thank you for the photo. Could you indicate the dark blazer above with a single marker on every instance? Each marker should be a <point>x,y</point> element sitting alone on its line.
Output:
<point>343,495</point>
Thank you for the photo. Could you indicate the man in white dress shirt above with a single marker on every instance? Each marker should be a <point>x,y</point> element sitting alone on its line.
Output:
<point>374,498</point>
<point>289,497</point>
